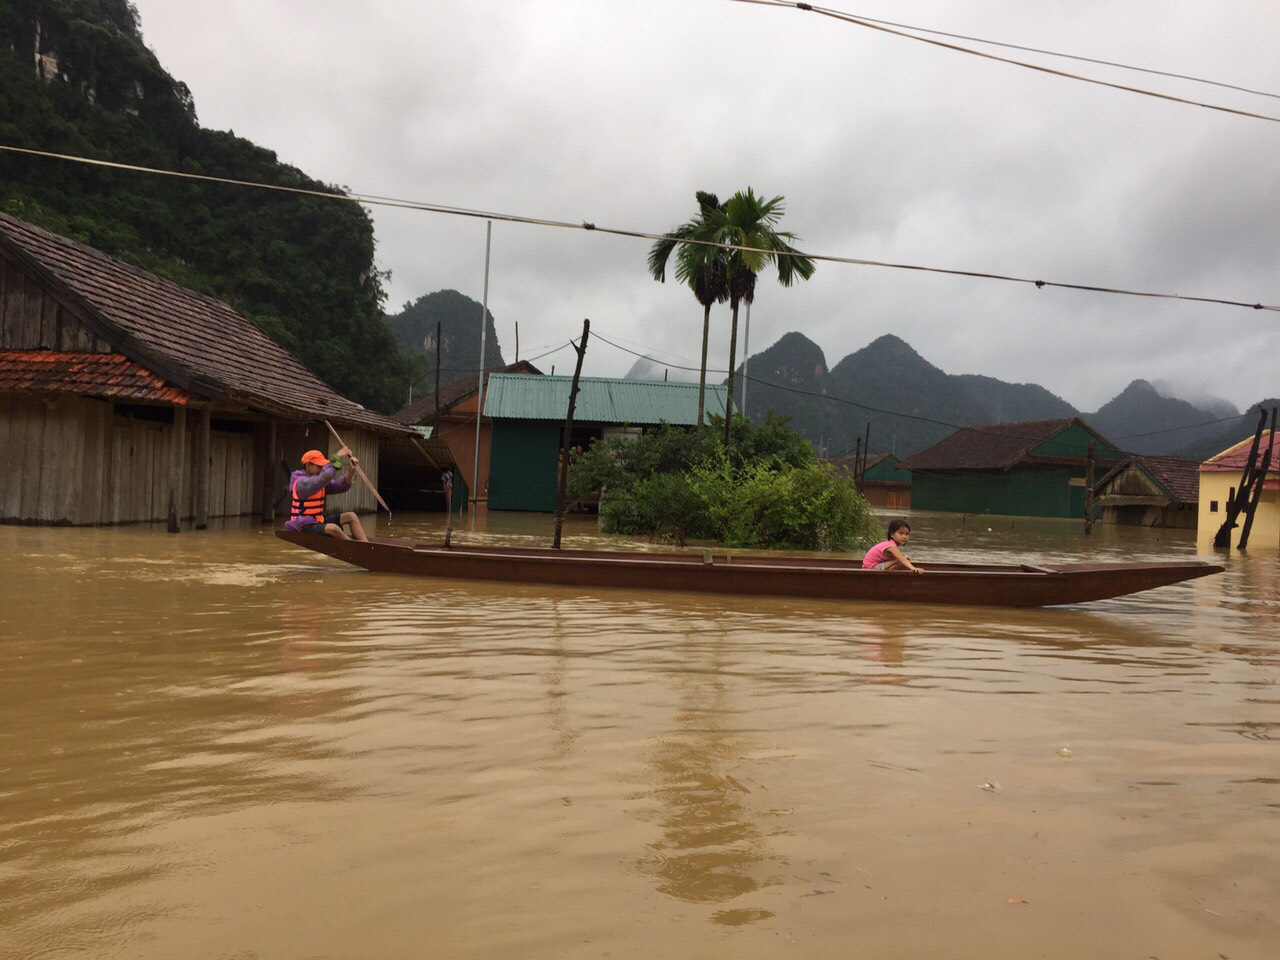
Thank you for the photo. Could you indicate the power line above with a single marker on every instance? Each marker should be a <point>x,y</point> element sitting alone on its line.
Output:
<point>1067,56</point>
<point>911,416</point>
<point>373,200</point>
<point>860,22</point>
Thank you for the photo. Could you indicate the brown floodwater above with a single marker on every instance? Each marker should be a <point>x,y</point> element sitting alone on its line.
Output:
<point>216,745</point>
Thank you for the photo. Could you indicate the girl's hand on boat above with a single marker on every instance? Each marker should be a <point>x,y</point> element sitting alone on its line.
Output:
<point>917,569</point>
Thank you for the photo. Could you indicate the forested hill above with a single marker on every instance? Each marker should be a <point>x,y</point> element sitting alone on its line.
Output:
<point>459,319</point>
<point>76,78</point>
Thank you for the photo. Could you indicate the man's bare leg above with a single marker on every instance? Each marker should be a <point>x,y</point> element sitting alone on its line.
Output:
<point>357,528</point>
<point>333,530</point>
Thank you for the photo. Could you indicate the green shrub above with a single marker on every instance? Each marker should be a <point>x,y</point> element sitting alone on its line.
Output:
<point>772,503</point>
<point>769,490</point>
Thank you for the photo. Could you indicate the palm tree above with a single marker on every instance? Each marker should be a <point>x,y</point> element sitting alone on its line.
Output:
<point>702,268</point>
<point>747,222</point>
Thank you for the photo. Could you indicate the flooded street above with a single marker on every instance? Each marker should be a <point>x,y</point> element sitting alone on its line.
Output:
<point>216,745</point>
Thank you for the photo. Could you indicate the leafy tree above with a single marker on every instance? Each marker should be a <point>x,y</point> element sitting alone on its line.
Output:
<point>702,268</point>
<point>748,221</point>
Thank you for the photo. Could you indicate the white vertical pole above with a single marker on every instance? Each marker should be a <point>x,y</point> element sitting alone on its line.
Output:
<point>746,358</point>
<point>484,323</point>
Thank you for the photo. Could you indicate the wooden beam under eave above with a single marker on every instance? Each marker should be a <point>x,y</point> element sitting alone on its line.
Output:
<point>203,464</point>
<point>269,491</point>
<point>177,451</point>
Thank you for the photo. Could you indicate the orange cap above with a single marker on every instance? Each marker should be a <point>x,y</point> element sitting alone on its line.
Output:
<point>316,457</point>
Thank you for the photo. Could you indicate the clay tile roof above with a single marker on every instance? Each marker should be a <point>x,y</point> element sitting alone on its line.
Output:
<point>424,408</point>
<point>1180,477</point>
<point>1235,458</point>
<point>197,340</point>
<point>993,446</point>
<point>105,375</point>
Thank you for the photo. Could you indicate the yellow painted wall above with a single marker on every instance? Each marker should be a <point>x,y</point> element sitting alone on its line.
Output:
<point>1266,523</point>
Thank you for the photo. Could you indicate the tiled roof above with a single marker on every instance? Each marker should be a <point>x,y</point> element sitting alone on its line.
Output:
<point>106,375</point>
<point>424,408</point>
<point>1180,477</point>
<point>191,337</point>
<point>995,446</point>
<point>1235,458</point>
<point>600,400</point>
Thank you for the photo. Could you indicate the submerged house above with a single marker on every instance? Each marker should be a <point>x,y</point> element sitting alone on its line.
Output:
<point>1150,492</point>
<point>528,415</point>
<point>1220,478</point>
<point>1034,469</point>
<point>450,444</point>
<point>126,398</point>
<point>884,483</point>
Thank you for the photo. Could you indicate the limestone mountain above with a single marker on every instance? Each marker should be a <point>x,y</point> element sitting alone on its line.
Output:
<point>793,364</point>
<point>459,319</point>
<point>911,404</point>
<point>76,78</point>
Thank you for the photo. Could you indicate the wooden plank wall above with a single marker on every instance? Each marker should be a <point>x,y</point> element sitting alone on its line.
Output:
<point>31,319</point>
<point>293,439</point>
<point>82,463</point>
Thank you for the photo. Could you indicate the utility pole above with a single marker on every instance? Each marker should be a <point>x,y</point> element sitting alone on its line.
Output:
<point>484,323</point>
<point>580,349</point>
<point>1088,492</point>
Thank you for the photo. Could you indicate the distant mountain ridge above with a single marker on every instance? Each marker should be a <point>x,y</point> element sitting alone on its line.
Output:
<point>887,378</point>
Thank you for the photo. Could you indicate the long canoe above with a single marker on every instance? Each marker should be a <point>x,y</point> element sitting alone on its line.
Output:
<point>970,584</point>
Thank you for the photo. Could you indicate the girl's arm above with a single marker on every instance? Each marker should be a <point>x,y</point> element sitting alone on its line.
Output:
<point>903,559</point>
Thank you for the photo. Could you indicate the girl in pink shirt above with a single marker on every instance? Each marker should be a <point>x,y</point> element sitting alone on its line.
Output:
<point>888,555</point>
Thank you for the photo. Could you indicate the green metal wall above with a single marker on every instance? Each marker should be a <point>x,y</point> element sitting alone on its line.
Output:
<point>1027,491</point>
<point>1074,442</point>
<point>522,465</point>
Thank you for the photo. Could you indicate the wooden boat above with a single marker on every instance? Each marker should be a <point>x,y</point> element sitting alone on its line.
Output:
<point>1007,585</point>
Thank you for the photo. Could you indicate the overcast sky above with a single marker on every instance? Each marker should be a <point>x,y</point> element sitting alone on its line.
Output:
<point>885,149</point>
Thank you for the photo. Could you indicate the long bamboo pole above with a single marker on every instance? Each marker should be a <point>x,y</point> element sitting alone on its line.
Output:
<point>359,470</point>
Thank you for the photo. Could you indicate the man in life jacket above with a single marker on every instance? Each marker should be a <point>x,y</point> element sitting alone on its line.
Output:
<point>308,488</point>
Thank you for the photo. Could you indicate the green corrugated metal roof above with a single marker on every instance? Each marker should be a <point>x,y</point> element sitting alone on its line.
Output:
<point>600,400</point>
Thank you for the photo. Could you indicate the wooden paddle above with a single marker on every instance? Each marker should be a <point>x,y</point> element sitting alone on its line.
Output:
<point>359,471</point>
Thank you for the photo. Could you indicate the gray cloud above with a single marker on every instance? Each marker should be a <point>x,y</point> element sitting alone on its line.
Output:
<point>885,149</point>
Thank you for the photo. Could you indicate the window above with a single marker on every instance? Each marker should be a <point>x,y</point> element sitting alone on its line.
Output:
<point>893,499</point>
<point>1213,506</point>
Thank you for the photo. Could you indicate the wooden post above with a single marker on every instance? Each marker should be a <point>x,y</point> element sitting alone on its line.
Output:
<point>1222,539</point>
<point>269,491</point>
<point>580,349</point>
<point>1088,491</point>
<point>177,446</point>
<point>1258,480</point>
<point>857,459</point>
<point>866,449</point>
<point>202,467</point>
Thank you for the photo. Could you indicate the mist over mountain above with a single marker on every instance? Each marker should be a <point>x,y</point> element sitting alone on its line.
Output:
<point>1142,420</point>
<point>651,368</point>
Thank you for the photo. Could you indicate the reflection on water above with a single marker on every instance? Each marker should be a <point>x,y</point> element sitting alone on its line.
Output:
<point>710,840</point>
<point>220,746</point>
